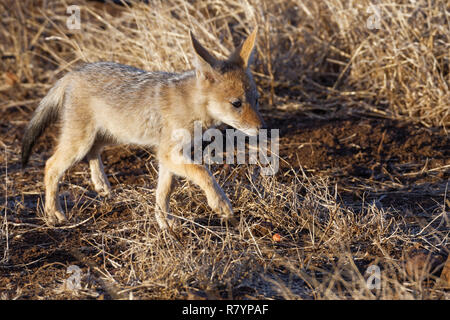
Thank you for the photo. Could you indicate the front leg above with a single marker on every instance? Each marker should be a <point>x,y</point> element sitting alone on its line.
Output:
<point>163,191</point>
<point>201,176</point>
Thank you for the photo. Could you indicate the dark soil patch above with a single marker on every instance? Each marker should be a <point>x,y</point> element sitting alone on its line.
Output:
<point>401,163</point>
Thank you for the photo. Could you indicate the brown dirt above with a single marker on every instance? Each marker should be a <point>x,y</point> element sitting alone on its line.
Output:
<point>395,158</point>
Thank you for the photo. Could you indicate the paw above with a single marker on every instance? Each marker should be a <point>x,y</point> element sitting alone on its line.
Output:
<point>55,217</point>
<point>103,189</point>
<point>225,210</point>
<point>232,221</point>
<point>223,207</point>
<point>165,221</point>
<point>103,192</point>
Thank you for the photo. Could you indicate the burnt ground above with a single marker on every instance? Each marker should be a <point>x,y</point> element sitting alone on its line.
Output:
<point>392,164</point>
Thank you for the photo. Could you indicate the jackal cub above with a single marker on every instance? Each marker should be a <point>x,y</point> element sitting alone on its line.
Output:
<point>105,103</point>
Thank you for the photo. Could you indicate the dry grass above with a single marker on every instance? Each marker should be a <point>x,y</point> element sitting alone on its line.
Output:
<point>321,51</point>
<point>317,57</point>
<point>324,253</point>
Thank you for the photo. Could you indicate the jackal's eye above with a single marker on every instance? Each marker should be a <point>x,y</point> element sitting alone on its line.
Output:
<point>236,103</point>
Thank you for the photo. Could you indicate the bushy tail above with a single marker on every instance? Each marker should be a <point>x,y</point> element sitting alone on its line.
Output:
<point>47,112</point>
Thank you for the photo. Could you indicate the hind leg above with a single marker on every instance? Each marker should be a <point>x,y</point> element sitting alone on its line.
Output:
<point>98,176</point>
<point>70,150</point>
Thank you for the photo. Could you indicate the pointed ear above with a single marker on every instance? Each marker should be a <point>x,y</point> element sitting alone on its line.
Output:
<point>242,54</point>
<point>205,62</point>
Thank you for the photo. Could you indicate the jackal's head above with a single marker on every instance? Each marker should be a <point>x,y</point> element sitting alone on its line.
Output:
<point>228,86</point>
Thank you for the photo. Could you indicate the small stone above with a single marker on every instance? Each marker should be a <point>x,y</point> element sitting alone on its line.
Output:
<point>277,237</point>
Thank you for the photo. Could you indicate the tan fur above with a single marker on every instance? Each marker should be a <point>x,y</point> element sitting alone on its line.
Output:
<point>105,103</point>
